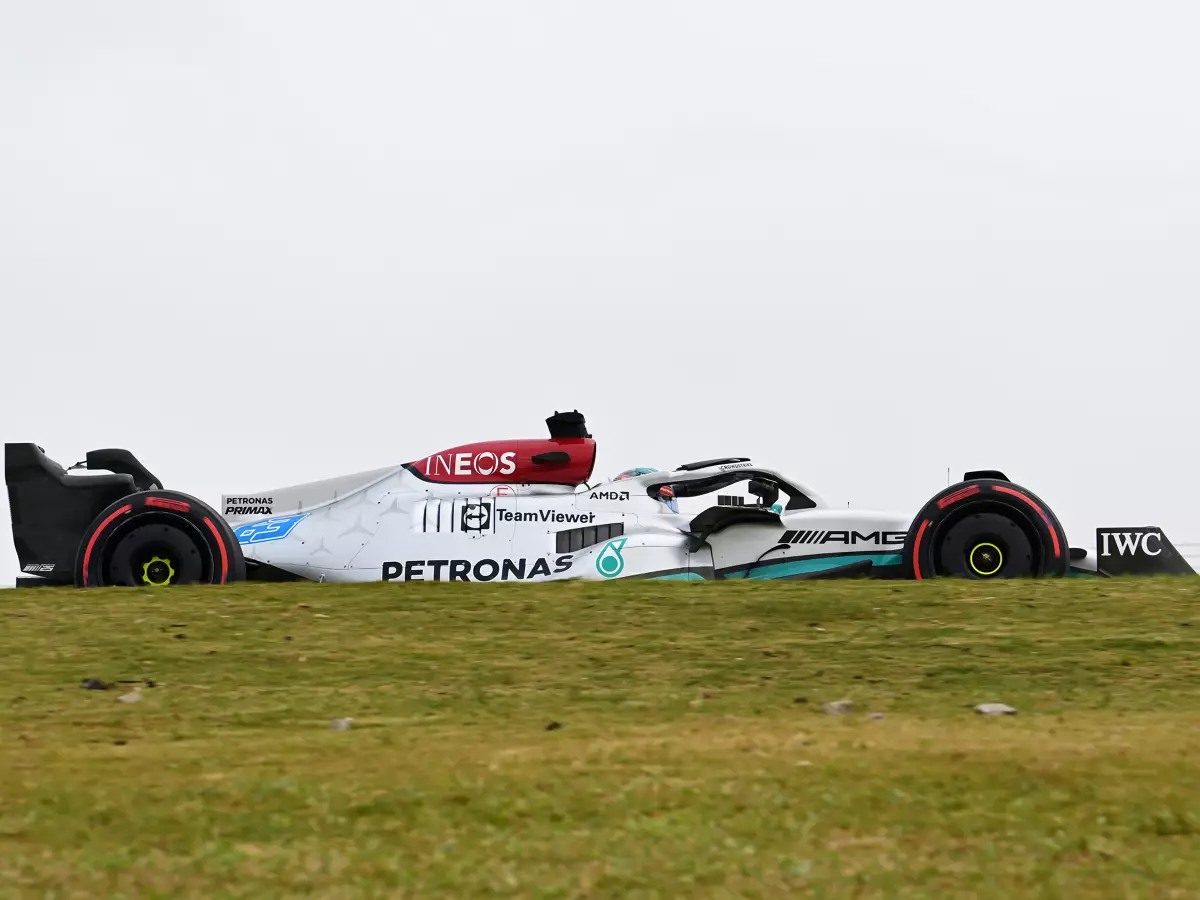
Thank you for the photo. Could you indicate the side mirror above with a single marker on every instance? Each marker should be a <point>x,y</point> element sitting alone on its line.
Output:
<point>765,491</point>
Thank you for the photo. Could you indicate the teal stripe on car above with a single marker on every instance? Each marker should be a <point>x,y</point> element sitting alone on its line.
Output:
<point>787,567</point>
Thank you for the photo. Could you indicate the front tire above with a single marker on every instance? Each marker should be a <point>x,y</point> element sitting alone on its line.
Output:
<point>986,529</point>
<point>986,545</point>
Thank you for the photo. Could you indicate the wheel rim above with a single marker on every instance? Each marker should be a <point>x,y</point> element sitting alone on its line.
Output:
<point>157,571</point>
<point>986,546</point>
<point>985,559</point>
<point>157,554</point>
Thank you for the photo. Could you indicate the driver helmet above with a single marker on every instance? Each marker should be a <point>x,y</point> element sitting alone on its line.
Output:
<point>634,473</point>
<point>666,495</point>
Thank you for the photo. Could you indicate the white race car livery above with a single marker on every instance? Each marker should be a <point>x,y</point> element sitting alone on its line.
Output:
<point>529,510</point>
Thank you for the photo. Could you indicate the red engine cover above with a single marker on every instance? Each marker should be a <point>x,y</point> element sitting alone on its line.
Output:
<point>564,461</point>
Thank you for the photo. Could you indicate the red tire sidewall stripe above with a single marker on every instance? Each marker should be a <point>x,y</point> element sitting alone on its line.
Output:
<point>917,550</point>
<point>87,554</point>
<point>167,503</point>
<point>1039,511</point>
<point>951,499</point>
<point>221,544</point>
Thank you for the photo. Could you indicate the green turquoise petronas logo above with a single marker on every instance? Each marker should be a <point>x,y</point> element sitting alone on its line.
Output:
<point>610,563</point>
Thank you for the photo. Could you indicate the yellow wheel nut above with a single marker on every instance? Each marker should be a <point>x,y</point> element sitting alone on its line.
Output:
<point>158,571</point>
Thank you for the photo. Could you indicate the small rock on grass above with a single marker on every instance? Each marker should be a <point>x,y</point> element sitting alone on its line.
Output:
<point>838,707</point>
<point>341,724</point>
<point>94,684</point>
<point>995,709</point>
<point>554,726</point>
<point>876,716</point>
<point>132,697</point>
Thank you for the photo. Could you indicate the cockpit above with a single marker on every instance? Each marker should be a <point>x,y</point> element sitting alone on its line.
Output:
<point>664,494</point>
<point>746,487</point>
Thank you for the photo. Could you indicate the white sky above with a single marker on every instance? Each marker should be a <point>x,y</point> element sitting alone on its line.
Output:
<point>262,242</point>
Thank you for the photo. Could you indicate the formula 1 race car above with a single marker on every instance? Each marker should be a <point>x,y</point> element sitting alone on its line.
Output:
<point>524,510</point>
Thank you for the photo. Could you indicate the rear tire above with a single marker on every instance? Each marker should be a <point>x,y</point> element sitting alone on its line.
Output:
<point>156,554</point>
<point>158,539</point>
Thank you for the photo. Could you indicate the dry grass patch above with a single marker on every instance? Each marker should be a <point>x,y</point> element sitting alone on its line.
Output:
<point>684,765</point>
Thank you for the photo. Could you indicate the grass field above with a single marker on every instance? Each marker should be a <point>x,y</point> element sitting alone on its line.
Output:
<point>692,758</point>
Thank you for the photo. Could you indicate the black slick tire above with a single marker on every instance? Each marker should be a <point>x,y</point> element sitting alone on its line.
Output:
<point>986,529</point>
<point>158,538</point>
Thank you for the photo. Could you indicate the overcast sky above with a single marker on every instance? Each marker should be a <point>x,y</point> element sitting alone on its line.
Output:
<point>261,243</point>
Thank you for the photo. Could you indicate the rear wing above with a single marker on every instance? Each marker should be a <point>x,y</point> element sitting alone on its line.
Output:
<point>51,508</point>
